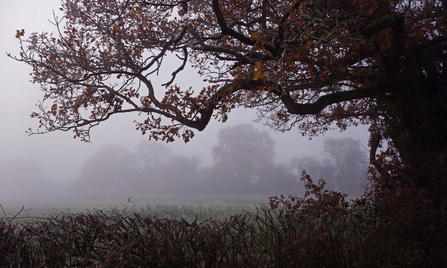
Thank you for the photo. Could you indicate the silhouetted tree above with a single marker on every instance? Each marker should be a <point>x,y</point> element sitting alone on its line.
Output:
<point>180,175</point>
<point>350,162</point>
<point>240,155</point>
<point>108,173</point>
<point>151,169</point>
<point>148,160</point>
<point>343,169</point>
<point>317,169</point>
<point>378,62</point>
<point>277,179</point>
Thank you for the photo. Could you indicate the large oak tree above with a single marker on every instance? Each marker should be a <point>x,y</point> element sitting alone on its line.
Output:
<point>306,64</point>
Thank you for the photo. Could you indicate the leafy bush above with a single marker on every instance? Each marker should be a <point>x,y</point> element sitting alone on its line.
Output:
<point>321,229</point>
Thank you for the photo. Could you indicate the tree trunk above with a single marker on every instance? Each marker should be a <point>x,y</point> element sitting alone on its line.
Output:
<point>416,124</point>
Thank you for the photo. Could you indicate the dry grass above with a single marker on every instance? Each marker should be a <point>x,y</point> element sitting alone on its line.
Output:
<point>321,229</point>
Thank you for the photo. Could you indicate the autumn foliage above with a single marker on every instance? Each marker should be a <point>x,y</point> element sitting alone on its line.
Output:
<point>300,62</point>
<point>307,64</point>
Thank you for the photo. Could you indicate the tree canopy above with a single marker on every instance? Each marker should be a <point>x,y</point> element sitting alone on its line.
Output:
<point>306,64</point>
<point>151,168</point>
<point>240,156</point>
<point>349,162</point>
<point>343,168</point>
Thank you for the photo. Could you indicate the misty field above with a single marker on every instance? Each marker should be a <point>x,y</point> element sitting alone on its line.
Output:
<point>319,230</point>
<point>165,206</point>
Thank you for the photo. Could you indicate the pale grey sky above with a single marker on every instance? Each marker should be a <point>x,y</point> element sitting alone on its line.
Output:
<point>59,154</point>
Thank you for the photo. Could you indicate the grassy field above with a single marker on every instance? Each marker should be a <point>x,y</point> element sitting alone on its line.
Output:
<point>164,206</point>
<point>225,231</point>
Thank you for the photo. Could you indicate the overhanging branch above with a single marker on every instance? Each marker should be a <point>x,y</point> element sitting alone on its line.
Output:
<point>326,100</point>
<point>381,24</point>
<point>225,29</point>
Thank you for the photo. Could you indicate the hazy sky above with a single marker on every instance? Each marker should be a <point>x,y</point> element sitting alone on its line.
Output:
<point>58,153</point>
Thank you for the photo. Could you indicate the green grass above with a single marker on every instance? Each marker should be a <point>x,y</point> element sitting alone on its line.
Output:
<point>324,231</point>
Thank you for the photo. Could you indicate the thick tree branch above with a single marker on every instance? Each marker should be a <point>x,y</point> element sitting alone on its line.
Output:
<point>432,42</point>
<point>225,29</point>
<point>381,24</point>
<point>326,100</point>
<point>290,104</point>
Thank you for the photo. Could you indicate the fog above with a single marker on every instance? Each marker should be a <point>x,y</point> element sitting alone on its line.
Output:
<point>41,167</point>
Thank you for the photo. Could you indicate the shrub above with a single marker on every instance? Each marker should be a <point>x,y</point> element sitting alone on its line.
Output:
<point>320,229</point>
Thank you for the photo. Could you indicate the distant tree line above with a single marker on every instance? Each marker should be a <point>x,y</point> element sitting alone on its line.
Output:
<point>243,164</point>
<point>344,167</point>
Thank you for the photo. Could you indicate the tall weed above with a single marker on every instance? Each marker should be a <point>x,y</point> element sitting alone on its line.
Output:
<point>320,229</point>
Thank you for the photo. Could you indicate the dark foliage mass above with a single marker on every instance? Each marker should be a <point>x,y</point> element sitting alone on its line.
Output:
<point>320,229</point>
